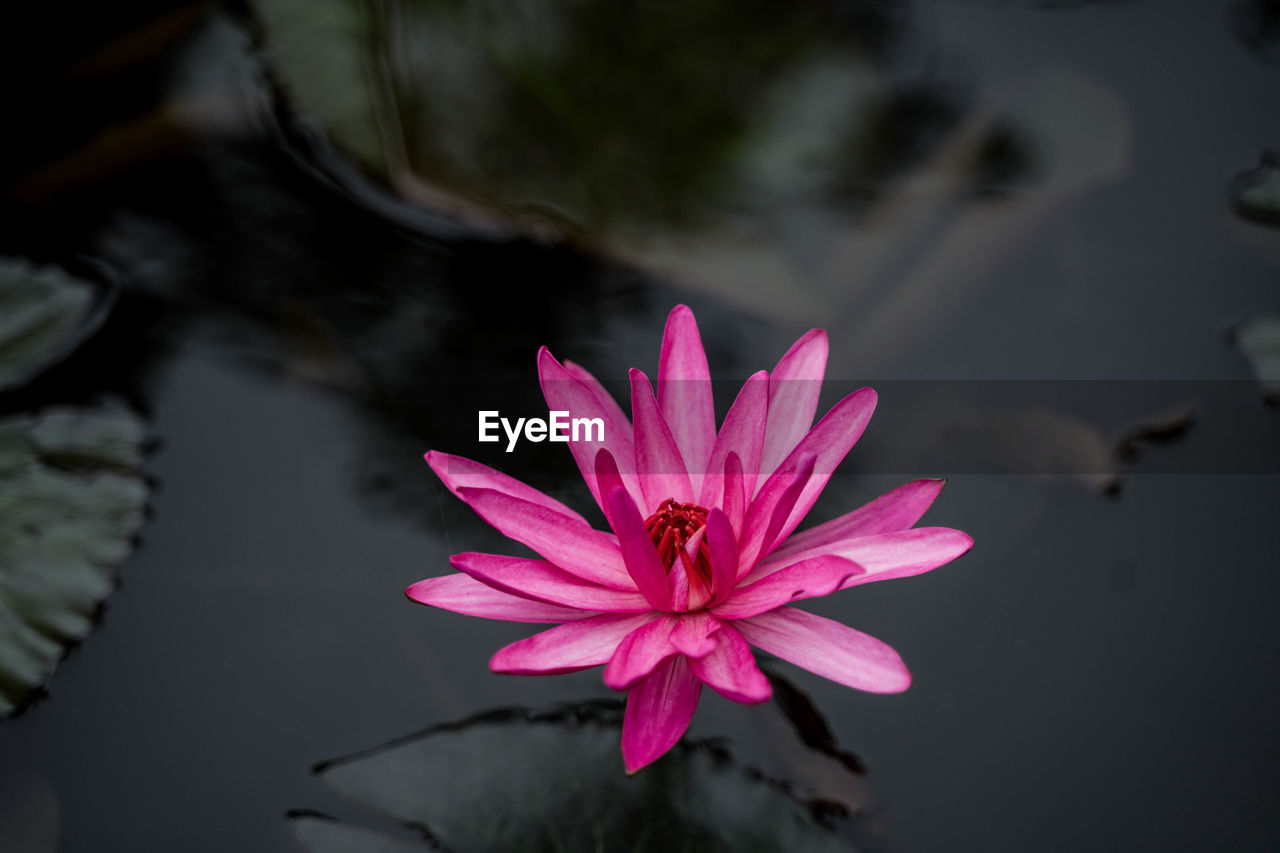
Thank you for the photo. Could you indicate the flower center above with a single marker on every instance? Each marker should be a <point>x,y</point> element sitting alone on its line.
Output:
<point>671,527</point>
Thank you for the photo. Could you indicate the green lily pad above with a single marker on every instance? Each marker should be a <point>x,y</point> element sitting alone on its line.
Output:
<point>71,501</point>
<point>42,311</point>
<point>520,781</point>
<point>1258,339</point>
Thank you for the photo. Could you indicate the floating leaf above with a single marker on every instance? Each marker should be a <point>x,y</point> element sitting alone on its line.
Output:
<point>1259,340</point>
<point>1256,192</point>
<point>519,781</point>
<point>71,501</point>
<point>44,314</point>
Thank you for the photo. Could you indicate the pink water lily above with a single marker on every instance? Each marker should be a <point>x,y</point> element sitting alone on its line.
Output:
<point>701,563</point>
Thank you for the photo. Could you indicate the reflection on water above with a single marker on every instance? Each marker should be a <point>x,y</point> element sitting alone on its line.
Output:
<point>603,114</point>
<point>763,151</point>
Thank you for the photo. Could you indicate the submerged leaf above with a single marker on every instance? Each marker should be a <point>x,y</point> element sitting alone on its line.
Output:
<point>71,501</point>
<point>615,121</point>
<point>517,781</point>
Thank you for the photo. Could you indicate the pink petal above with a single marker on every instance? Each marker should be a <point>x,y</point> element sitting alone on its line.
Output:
<point>594,385</point>
<point>640,652</point>
<point>692,634</point>
<point>699,593</point>
<point>794,386</point>
<point>885,555</point>
<point>576,548</point>
<point>829,442</point>
<point>678,584</point>
<point>543,581</point>
<point>638,552</point>
<point>659,708</point>
<point>462,594</point>
<point>565,391</point>
<point>724,554</point>
<point>458,472</point>
<point>568,647</point>
<point>771,510</point>
<point>730,669</point>
<point>608,478</point>
<point>659,464</point>
<point>889,513</point>
<point>741,434</point>
<point>684,393</point>
<point>827,648</point>
<point>737,485</point>
<point>806,579</point>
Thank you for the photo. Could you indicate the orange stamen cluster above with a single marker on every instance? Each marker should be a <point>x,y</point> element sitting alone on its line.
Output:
<point>670,528</point>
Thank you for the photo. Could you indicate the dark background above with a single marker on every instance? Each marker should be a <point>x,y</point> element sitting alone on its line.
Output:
<point>961,193</point>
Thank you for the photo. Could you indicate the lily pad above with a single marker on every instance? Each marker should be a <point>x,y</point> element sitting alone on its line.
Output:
<point>1258,338</point>
<point>45,313</point>
<point>71,501</point>
<point>520,781</point>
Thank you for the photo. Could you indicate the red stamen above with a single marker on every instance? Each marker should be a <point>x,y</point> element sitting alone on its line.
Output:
<point>670,528</point>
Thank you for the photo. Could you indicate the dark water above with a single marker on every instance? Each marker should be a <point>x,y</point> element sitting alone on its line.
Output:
<point>1033,192</point>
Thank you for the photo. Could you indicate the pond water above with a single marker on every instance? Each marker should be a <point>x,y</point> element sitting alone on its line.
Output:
<point>321,238</point>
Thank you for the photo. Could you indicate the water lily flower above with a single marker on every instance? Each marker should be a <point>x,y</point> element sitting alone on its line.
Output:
<point>702,562</point>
